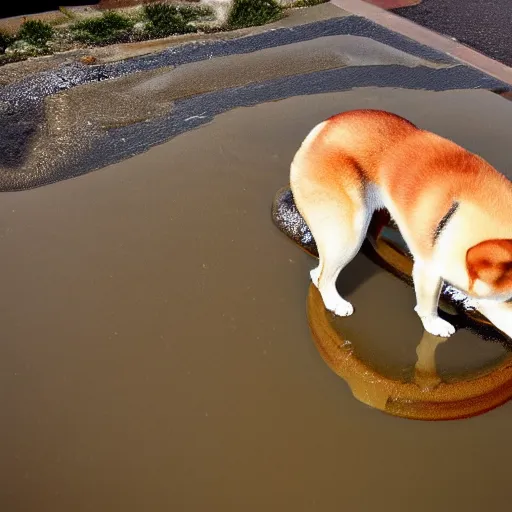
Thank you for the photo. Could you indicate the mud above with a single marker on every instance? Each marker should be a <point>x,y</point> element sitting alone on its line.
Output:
<point>73,119</point>
<point>271,63</point>
<point>156,353</point>
<point>25,126</point>
<point>77,118</point>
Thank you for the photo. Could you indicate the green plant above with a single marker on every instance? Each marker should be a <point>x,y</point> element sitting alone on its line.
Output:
<point>110,27</point>
<point>5,41</point>
<point>35,32</point>
<point>191,13</point>
<point>248,13</point>
<point>165,20</point>
<point>308,3</point>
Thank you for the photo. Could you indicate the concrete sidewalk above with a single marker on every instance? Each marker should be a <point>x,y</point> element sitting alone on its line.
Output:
<point>427,37</point>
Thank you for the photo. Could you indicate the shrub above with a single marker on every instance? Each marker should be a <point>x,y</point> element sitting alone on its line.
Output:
<point>190,13</point>
<point>5,41</point>
<point>35,32</point>
<point>110,27</point>
<point>165,20</point>
<point>248,13</point>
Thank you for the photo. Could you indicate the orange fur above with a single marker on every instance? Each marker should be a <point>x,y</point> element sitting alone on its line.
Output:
<point>491,262</point>
<point>362,160</point>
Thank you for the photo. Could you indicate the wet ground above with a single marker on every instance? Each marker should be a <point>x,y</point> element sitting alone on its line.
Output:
<point>54,129</point>
<point>156,352</point>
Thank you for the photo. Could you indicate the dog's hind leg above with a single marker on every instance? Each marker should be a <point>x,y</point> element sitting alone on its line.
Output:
<point>338,227</point>
<point>330,193</point>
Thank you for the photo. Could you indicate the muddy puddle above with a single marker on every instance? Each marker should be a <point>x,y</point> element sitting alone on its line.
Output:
<point>156,353</point>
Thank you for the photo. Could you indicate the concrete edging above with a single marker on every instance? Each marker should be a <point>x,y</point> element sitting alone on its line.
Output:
<point>427,37</point>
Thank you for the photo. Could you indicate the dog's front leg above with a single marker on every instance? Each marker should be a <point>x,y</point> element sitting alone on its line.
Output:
<point>427,286</point>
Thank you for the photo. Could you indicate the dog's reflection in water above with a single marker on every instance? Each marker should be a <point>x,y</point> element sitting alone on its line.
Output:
<point>425,369</point>
<point>425,395</point>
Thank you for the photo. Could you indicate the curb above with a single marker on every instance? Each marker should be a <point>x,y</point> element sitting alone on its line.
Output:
<point>427,37</point>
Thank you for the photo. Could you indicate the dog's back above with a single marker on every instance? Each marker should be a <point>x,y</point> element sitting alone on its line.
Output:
<point>413,173</point>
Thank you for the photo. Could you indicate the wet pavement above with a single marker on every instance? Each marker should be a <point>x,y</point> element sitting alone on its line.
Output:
<point>156,351</point>
<point>32,153</point>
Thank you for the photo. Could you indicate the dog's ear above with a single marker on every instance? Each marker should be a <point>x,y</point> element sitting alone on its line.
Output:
<point>491,263</point>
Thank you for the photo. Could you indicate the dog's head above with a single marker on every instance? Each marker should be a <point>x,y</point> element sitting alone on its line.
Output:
<point>489,266</point>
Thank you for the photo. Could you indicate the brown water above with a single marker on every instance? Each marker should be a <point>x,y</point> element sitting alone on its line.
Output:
<point>156,353</point>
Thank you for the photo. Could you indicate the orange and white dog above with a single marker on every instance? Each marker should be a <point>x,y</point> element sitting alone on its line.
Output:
<point>453,209</point>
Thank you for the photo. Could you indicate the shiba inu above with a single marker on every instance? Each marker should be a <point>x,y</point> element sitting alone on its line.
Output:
<point>453,209</point>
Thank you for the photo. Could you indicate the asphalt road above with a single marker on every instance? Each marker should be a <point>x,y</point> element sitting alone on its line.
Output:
<point>484,25</point>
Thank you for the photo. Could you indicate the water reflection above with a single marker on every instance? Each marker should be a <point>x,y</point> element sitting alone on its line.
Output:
<point>427,395</point>
<point>425,369</point>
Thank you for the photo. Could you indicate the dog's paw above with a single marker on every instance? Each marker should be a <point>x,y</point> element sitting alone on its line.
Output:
<point>339,307</point>
<point>315,275</point>
<point>437,326</point>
